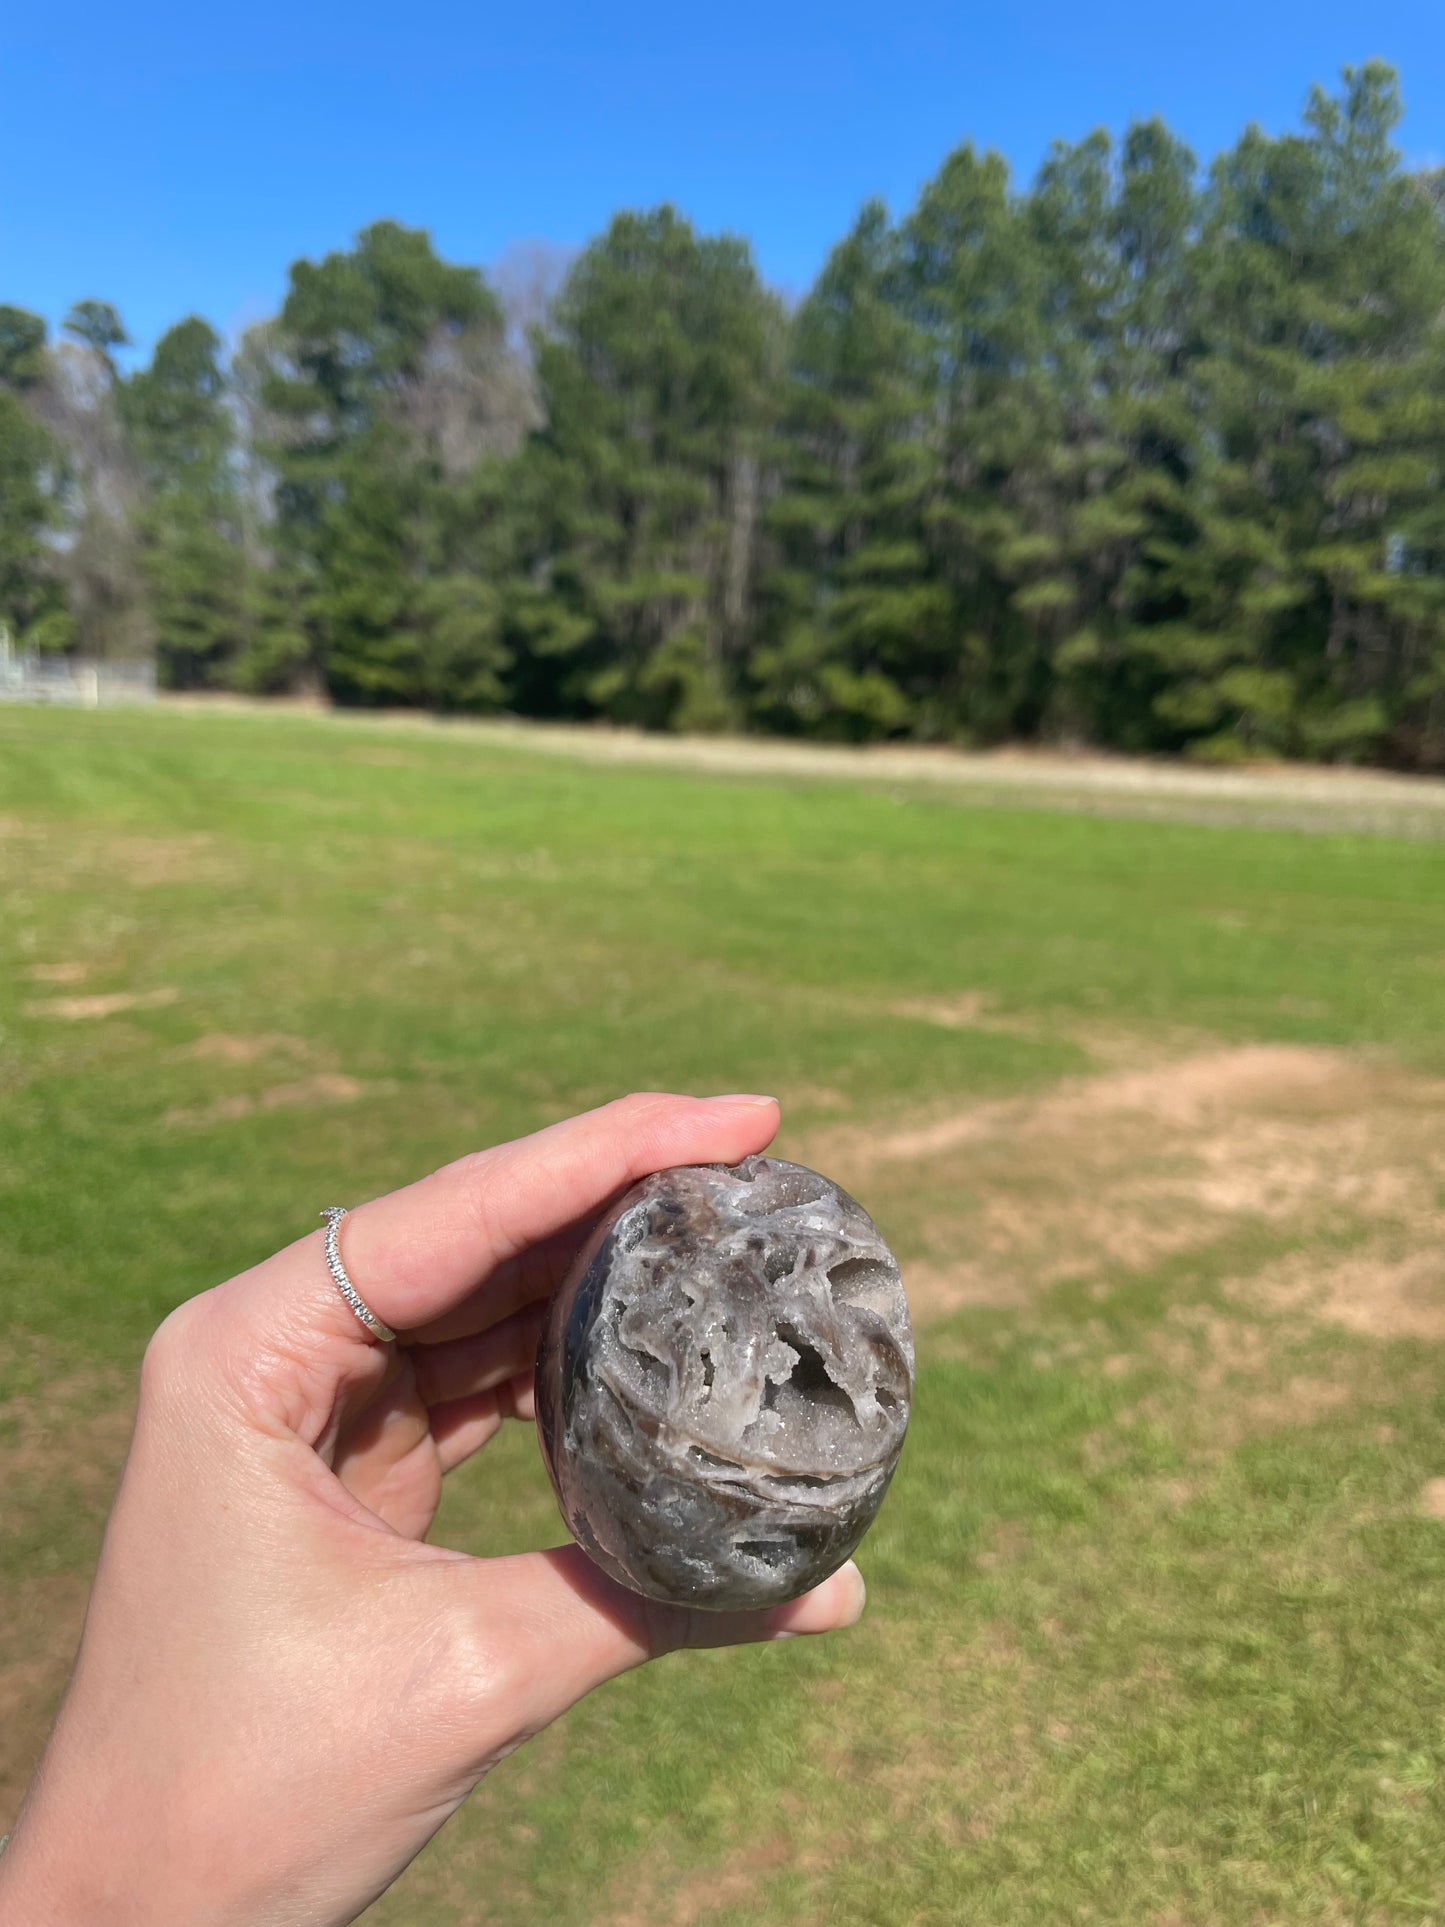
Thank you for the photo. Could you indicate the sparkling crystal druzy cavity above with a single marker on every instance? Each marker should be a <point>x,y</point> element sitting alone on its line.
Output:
<point>723,1383</point>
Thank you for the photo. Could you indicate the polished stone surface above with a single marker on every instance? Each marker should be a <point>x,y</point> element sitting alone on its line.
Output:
<point>724,1381</point>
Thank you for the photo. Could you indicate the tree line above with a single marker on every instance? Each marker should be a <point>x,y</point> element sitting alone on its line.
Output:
<point>1136,458</point>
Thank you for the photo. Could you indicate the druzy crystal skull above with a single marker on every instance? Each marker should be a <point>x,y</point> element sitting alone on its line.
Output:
<point>723,1383</point>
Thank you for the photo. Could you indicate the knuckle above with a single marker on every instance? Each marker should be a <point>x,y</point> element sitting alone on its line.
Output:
<point>169,1366</point>
<point>170,1343</point>
<point>479,1174</point>
<point>641,1104</point>
<point>467,1165</point>
<point>482,1671</point>
<point>642,1118</point>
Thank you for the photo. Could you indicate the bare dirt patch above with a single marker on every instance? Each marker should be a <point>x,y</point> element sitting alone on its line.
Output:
<point>146,862</point>
<point>324,1088</point>
<point>135,862</point>
<point>980,1010</point>
<point>112,1004</point>
<point>1107,1175</point>
<point>970,1010</point>
<point>221,1047</point>
<point>707,1892</point>
<point>1233,1378</point>
<point>1378,1291</point>
<point>1299,1401</point>
<point>1011,1542</point>
<point>58,973</point>
<point>78,1426</point>
<point>1181,1092</point>
<point>934,1291</point>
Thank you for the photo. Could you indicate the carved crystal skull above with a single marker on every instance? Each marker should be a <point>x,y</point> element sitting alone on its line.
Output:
<point>723,1383</point>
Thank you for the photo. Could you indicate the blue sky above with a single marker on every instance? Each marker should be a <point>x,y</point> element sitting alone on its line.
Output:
<point>176,158</point>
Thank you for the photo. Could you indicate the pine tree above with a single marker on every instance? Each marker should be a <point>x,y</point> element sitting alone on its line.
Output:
<point>181,435</point>
<point>852,614</point>
<point>1383,451</point>
<point>362,467</point>
<point>1115,237</point>
<point>1079,506</point>
<point>971,280</point>
<point>641,496</point>
<point>1321,291</point>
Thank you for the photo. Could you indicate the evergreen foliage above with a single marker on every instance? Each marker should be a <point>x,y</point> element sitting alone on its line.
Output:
<point>183,438</point>
<point>1133,459</point>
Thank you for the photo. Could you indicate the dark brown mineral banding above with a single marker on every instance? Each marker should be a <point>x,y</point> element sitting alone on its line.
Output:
<point>723,1383</point>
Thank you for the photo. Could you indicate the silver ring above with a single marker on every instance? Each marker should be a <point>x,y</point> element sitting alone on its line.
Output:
<point>333,1215</point>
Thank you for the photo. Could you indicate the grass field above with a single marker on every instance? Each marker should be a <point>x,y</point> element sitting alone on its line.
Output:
<point>1153,1112</point>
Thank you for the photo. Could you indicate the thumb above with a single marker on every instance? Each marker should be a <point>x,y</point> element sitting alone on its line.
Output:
<point>559,1627</point>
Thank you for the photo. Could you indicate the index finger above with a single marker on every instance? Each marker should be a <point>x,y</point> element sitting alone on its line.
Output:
<point>419,1252</point>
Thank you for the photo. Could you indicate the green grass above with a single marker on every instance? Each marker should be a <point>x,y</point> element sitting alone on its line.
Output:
<point>1131,1655</point>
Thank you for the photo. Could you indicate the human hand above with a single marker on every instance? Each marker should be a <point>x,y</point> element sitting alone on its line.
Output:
<point>282,1691</point>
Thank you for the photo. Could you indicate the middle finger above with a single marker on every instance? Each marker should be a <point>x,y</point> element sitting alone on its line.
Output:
<point>461,1367</point>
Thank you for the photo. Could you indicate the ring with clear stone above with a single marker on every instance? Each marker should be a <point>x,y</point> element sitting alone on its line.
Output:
<point>333,1215</point>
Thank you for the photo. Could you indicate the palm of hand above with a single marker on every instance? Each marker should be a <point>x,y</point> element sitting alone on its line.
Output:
<point>395,1453</point>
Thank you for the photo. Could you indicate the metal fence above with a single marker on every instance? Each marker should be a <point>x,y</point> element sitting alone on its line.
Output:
<point>29,677</point>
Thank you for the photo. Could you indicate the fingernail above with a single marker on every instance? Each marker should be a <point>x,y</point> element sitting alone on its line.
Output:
<point>855,1593</point>
<point>741,1097</point>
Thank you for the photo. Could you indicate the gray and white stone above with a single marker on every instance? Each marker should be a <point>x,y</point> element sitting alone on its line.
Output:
<point>724,1382</point>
